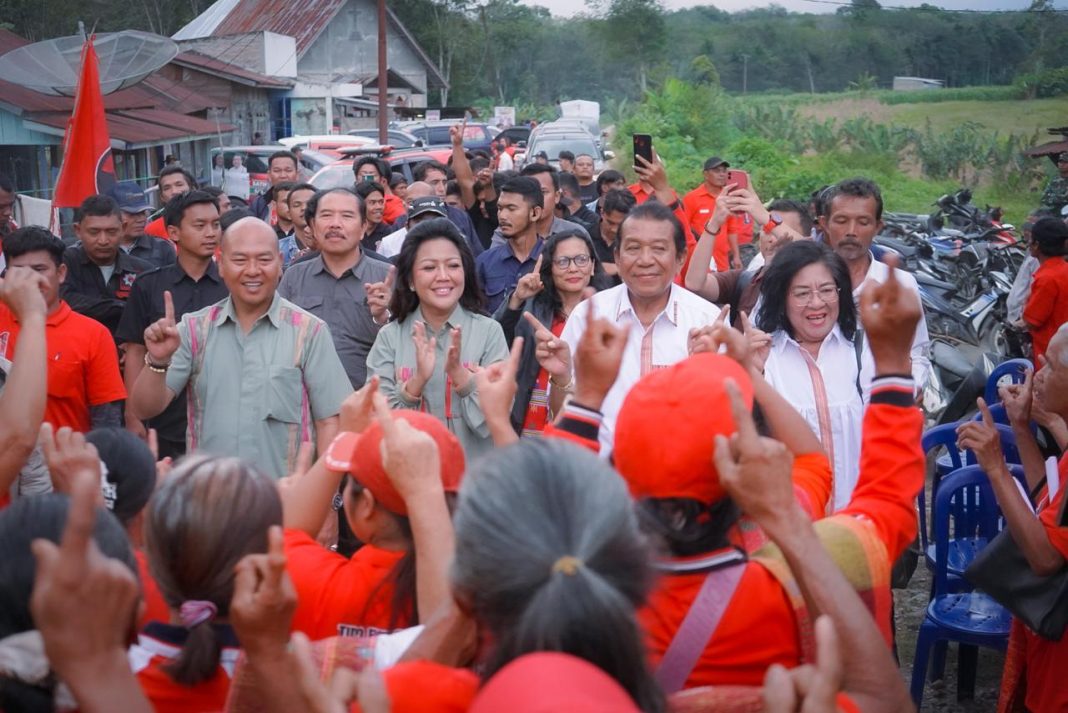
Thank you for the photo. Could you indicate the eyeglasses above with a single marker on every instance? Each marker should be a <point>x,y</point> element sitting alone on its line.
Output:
<point>564,262</point>
<point>827,294</point>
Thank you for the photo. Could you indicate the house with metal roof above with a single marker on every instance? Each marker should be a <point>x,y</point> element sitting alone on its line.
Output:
<point>328,48</point>
<point>183,109</point>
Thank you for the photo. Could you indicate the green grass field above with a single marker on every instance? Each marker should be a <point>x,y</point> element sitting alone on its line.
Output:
<point>1024,117</point>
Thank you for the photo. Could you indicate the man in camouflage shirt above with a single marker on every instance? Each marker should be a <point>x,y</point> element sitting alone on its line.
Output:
<point>1055,197</point>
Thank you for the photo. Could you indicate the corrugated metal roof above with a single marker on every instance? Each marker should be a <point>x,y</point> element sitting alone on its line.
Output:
<point>303,20</point>
<point>143,126</point>
<point>203,62</point>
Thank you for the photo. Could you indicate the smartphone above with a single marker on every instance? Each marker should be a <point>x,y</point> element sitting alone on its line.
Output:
<point>643,146</point>
<point>740,179</point>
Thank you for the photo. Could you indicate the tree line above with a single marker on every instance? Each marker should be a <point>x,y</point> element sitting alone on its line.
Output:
<point>509,52</point>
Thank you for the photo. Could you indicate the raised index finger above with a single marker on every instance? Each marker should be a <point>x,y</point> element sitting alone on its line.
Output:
<point>514,355</point>
<point>385,419</point>
<point>988,418</point>
<point>389,276</point>
<point>81,518</point>
<point>168,306</point>
<point>535,323</point>
<point>743,420</point>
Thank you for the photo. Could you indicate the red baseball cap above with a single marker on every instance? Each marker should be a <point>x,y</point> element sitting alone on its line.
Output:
<point>360,455</point>
<point>665,432</point>
<point>547,682</point>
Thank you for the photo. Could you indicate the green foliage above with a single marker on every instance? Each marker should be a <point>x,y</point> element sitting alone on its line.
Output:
<point>865,82</point>
<point>936,96</point>
<point>1050,83</point>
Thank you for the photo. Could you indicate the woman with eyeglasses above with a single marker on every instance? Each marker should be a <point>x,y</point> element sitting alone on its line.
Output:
<point>816,353</point>
<point>567,266</point>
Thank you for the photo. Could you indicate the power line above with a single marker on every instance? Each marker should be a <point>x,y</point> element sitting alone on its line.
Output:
<point>928,8</point>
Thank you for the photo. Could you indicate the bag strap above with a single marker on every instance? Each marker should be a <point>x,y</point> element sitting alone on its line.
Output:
<point>858,348</point>
<point>698,627</point>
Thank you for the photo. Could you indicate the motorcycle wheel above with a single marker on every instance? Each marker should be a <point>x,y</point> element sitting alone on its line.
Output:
<point>993,338</point>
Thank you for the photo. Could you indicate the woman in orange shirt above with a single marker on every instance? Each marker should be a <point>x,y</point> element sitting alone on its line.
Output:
<point>1047,307</point>
<point>208,514</point>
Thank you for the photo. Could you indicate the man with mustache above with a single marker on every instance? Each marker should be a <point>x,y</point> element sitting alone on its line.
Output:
<point>853,212</point>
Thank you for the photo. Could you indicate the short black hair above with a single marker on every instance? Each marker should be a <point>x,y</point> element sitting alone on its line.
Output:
<point>478,163</point>
<point>533,169</point>
<point>233,215</point>
<point>97,205</point>
<point>213,191</point>
<point>171,170</point>
<point>785,205</point>
<point>176,207</point>
<point>854,188</point>
<point>452,188</point>
<point>381,166</point>
<point>366,188</point>
<point>6,184</point>
<point>286,186</point>
<point>313,203</point>
<point>300,187</point>
<point>33,239</point>
<point>283,154</point>
<point>608,176</point>
<point>1048,234</point>
<point>656,211</point>
<point>566,155</point>
<point>527,187</point>
<point>569,183</point>
<point>419,172</point>
<point>775,288</point>
<point>396,179</point>
<point>618,200</point>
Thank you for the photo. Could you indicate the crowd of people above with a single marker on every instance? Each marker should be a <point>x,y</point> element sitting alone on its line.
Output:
<point>493,439</point>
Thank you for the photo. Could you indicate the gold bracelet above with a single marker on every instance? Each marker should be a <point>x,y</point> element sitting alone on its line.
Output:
<point>157,368</point>
<point>569,386</point>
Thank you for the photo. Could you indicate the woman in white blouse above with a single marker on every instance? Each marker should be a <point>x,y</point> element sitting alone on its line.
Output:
<point>815,355</point>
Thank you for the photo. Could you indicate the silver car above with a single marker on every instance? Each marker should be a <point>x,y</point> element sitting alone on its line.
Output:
<point>553,142</point>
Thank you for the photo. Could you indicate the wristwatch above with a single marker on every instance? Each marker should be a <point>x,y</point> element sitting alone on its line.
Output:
<point>774,221</point>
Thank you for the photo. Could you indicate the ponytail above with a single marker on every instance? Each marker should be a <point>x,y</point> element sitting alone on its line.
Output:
<point>198,660</point>
<point>549,553</point>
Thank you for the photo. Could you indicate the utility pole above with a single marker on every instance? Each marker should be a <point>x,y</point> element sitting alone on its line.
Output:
<point>383,77</point>
<point>745,73</point>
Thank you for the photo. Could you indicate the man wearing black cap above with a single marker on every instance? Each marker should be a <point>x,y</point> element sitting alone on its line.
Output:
<point>1055,197</point>
<point>699,205</point>
<point>420,209</point>
<point>135,208</point>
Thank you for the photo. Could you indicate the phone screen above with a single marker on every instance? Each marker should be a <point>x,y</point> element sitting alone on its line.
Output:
<point>643,146</point>
<point>740,179</point>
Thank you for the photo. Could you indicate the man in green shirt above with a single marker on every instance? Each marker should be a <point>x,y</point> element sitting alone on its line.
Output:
<point>1055,197</point>
<point>261,374</point>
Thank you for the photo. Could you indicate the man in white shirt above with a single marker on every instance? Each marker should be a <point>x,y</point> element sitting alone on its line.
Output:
<point>852,220</point>
<point>650,251</point>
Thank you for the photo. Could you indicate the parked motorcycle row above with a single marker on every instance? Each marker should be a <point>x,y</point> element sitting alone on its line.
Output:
<point>964,260</point>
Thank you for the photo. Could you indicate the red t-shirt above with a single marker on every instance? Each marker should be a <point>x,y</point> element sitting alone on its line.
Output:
<point>699,205</point>
<point>338,596</point>
<point>1047,307</point>
<point>1046,661</point>
<point>83,365</point>
<point>155,608</point>
<point>418,686</point>
<point>393,209</point>
<point>158,646</point>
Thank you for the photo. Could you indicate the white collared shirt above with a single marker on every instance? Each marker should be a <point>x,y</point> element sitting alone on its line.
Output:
<point>921,341</point>
<point>664,343</point>
<point>787,371</point>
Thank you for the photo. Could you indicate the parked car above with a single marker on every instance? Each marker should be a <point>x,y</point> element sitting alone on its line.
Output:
<point>516,134</point>
<point>552,142</point>
<point>330,144</point>
<point>254,160</point>
<point>403,161</point>
<point>477,137</point>
<point>397,138</point>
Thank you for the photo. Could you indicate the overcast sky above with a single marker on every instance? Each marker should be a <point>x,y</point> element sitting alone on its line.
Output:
<point>570,7</point>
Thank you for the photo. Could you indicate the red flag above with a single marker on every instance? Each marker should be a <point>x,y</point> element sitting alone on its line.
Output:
<point>87,166</point>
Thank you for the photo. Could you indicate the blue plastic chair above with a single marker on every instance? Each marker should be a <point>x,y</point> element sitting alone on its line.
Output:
<point>968,618</point>
<point>962,550</point>
<point>1016,369</point>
